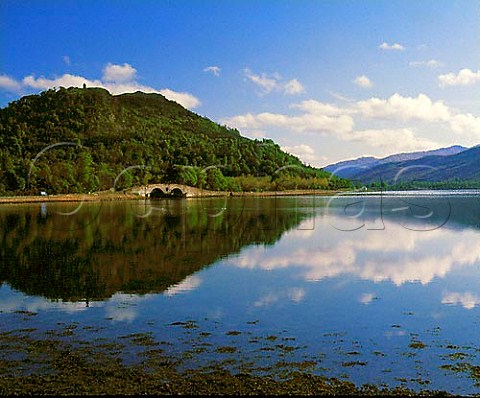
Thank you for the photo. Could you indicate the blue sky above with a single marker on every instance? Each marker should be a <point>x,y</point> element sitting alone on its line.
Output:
<point>327,79</point>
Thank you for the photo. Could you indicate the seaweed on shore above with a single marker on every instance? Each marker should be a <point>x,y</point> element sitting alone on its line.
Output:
<point>78,367</point>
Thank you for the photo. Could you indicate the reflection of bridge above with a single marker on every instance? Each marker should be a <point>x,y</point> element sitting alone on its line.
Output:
<point>172,191</point>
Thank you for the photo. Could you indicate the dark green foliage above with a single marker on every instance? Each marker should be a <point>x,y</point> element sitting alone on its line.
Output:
<point>80,140</point>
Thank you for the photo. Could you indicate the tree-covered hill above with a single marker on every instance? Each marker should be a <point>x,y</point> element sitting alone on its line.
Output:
<point>82,140</point>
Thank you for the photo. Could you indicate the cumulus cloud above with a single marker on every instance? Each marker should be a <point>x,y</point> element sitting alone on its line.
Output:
<point>269,83</point>
<point>9,84</point>
<point>304,152</point>
<point>119,73</point>
<point>318,117</point>
<point>307,122</point>
<point>213,69</point>
<point>420,108</point>
<point>396,122</point>
<point>363,81</point>
<point>395,47</point>
<point>464,77</point>
<point>186,99</point>
<point>66,80</point>
<point>466,123</point>
<point>402,139</point>
<point>312,106</point>
<point>117,79</point>
<point>404,108</point>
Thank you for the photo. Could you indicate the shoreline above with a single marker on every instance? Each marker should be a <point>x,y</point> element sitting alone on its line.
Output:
<point>95,197</point>
<point>78,367</point>
<point>117,196</point>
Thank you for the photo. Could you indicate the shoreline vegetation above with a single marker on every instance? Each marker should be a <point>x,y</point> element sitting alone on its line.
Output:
<point>113,196</point>
<point>70,367</point>
<point>125,195</point>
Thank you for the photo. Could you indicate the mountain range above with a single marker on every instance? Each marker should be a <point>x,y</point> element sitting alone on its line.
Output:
<point>454,166</point>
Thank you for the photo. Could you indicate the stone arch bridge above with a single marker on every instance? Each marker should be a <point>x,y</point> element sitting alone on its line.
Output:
<point>157,191</point>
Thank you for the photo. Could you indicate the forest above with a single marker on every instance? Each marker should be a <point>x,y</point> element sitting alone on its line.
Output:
<point>80,140</point>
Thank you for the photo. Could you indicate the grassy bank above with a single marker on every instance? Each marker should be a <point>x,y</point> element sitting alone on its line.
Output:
<point>69,198</point>
<point>111,196</point>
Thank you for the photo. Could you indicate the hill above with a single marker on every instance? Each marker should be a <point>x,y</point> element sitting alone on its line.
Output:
<point>80,140</point>
<point>353,168</point>
<point>438,169</point>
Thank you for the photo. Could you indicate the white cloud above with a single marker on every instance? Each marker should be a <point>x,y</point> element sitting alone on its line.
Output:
<point>308,122</point>
<point>213,69</point>
<point>66,80</point>
<point>466,123</point>
<point>402,108</point>
<point>432,63</point>
<point>312,106</point>
<point>394,124</point>
<point>363,81</point>
<point>293,87</point>
<point>119,73</point>
<point>304,152</point>
<point>402,139</point>
<point>185,99</point>
<point>395,46</point>
<point>67,60</point>
<point>117,79</point>
<point>302,148</point>
<point>465,77</point>
<point>267,83</point>
<point>420,108</point>
<point>9,84</point>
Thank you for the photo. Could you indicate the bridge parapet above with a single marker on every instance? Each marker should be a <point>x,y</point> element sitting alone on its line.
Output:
<point>172,191</point>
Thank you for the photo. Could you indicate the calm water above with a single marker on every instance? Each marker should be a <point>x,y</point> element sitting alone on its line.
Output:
<point>380,289</point>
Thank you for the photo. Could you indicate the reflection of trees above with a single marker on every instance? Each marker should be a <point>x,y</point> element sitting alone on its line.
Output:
<point>95,253</point>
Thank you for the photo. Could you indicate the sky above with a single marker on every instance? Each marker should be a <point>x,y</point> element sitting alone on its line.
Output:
<point>328,80</point>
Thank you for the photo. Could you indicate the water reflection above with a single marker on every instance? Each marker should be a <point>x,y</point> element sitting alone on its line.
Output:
<point>102,249</point>
<point>405,249</point>
<point>381,302</point>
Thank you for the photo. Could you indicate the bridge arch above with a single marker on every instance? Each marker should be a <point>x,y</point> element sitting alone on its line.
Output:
<point>157,193</point>
<point>178,193</point>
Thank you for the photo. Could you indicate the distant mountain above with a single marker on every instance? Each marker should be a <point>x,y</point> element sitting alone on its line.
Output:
<point>454,165</point>
<point>451,150</point>
<point>350,168</point>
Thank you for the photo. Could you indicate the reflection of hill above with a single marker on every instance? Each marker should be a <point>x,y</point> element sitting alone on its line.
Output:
<point>106,248</point>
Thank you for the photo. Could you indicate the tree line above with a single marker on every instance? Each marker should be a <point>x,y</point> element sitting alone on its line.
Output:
<point>84,140</point>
